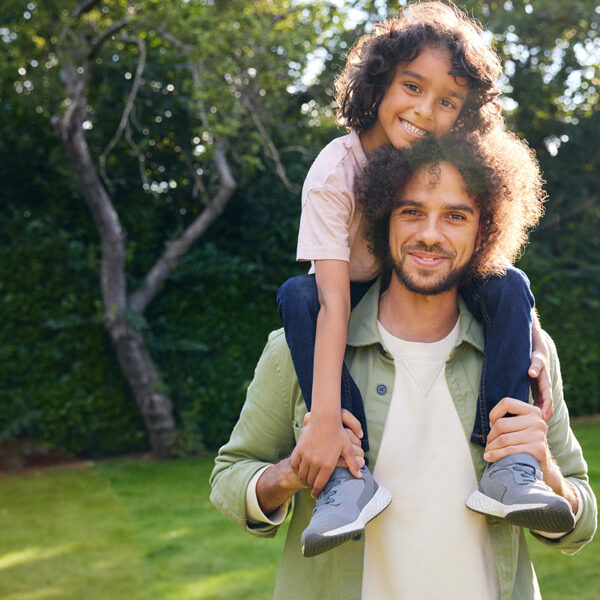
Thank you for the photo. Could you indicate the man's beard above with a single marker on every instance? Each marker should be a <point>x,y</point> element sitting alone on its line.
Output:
<point>453,278</point>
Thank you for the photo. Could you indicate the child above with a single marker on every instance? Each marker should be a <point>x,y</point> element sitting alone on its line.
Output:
<point>424,73</point>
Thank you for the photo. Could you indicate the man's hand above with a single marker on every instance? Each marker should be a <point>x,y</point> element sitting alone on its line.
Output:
<point>525,432</point>
<point>541,385</point>
<point>276,486</point>
<point>323,446</point>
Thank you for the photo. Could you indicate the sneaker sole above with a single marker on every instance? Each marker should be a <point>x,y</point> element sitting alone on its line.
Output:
<point>553,518</point>
<point>319,543</point>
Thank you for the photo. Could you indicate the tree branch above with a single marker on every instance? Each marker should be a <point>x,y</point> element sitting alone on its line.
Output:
<point>198,183</point>
<point>128,105</point>
<point>141,160</point>
<point>74,85</point>
<point>114,28</point>
<point>300,149</point>
<point>83,7</point>
<point>163,33</point>
<point>174,250</point>
<point>157,275</point>
<point>269,145</point>
<point>195,70</point>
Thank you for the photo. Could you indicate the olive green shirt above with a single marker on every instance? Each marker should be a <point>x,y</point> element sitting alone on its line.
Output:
<point>269,427</point>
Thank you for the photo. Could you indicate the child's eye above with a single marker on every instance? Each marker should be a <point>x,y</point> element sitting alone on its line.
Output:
<point>448,104</point>
<point>413,87</point>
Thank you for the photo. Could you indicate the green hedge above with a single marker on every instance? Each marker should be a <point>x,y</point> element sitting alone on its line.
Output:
<point>60,380</point>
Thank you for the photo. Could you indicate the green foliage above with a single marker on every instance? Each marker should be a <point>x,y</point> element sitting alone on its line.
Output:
<point>211,322</point>
<point>61,381</point>
<point>566,283</point>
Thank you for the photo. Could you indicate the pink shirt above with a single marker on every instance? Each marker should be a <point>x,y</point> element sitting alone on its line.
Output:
<point>330,225</point>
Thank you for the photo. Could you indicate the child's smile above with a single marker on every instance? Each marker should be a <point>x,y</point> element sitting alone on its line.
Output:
<point>422,99</point>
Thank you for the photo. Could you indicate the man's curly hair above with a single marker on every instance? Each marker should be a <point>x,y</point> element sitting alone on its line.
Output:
<point>372,62</point>
<point>500,172</point>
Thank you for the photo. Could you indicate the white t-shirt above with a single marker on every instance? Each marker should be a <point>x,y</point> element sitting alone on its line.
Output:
<point>426,544</point>
<point>330,225</point>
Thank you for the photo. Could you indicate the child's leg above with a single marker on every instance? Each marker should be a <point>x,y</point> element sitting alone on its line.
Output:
<point>298,307</point>
<point>503,305</point>
<point>512,487</point>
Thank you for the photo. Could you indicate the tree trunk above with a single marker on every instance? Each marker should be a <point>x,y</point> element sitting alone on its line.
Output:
<point>138,367</point>
<point>132,353</point>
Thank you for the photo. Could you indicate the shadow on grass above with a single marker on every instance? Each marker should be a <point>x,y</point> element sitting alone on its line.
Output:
<point>126,529</point>
<point>146,530</point>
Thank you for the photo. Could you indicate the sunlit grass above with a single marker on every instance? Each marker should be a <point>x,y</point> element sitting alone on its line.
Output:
<point>126,529</point>
<point>132,529</point>
<point>563,577</point>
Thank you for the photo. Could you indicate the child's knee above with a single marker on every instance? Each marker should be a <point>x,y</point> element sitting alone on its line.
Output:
<point>298,292</point>
<point>512,287</point>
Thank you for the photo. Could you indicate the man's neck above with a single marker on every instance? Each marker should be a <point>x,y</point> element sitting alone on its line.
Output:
<point>416,317</point>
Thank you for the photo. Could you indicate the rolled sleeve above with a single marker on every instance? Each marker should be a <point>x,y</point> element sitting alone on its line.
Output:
<point>256,517</point>
<point>263,435</point>
<point>567,452</point>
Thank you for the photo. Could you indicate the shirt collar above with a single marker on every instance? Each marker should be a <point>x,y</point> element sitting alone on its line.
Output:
<point>362,327</point>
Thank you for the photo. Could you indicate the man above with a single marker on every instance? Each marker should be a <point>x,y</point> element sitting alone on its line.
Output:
<point>437,214</point>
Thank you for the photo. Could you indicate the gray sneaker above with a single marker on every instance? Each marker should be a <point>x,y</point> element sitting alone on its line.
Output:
<point>512,489</point>
<point>343,508</point>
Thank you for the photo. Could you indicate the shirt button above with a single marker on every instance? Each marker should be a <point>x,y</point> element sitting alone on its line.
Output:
<point>381,389</point>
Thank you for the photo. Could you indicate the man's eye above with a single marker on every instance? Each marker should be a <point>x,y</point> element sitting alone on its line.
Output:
<point>457,217</point>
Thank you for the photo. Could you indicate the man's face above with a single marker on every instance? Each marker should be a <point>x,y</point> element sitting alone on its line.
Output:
<point>433,231</point>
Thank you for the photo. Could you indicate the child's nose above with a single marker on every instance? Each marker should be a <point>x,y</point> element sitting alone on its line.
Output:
<point>425,107</point>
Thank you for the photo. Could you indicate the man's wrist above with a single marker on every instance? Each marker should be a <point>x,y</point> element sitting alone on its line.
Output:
<point>559,484</point>
<point>254,513</point>
<point>277,484</point>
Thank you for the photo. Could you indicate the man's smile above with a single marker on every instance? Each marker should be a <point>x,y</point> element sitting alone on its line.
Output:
<point>427,260</point>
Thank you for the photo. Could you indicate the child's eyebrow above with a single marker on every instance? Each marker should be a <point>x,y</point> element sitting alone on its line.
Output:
<point>423,78</point>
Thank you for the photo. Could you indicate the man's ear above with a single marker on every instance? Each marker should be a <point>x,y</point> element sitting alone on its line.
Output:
<point>478,238</point>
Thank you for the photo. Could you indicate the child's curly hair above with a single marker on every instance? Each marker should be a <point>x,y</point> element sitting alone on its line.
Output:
<point>372,62</point>
<point>500,172</point>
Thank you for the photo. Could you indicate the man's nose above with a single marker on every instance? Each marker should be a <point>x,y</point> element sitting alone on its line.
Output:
<point>431,233</point>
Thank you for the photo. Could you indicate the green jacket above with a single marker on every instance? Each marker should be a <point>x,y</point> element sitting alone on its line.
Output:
<point>269,426</point>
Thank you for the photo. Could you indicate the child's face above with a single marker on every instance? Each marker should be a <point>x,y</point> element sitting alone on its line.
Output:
<point>422,99</point>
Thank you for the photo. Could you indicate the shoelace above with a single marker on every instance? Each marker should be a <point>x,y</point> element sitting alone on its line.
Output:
<point>329,493</point>
<point>523,473</point>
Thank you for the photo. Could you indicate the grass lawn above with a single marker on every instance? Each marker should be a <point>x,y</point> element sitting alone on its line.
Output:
<point>128,529</point>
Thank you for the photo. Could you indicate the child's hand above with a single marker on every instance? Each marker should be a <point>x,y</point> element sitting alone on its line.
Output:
<point>541,385</point>
<point>323,446</point>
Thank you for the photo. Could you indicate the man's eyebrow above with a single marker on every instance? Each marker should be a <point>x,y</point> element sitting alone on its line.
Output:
<point>417,75</point>
<point>457,206</point>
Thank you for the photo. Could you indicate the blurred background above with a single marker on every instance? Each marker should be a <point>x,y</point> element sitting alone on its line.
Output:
<point>151,157</point>
<point>166,89</point>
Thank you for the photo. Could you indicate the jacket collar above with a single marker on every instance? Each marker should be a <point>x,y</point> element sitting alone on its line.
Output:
<point>362,327</point>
